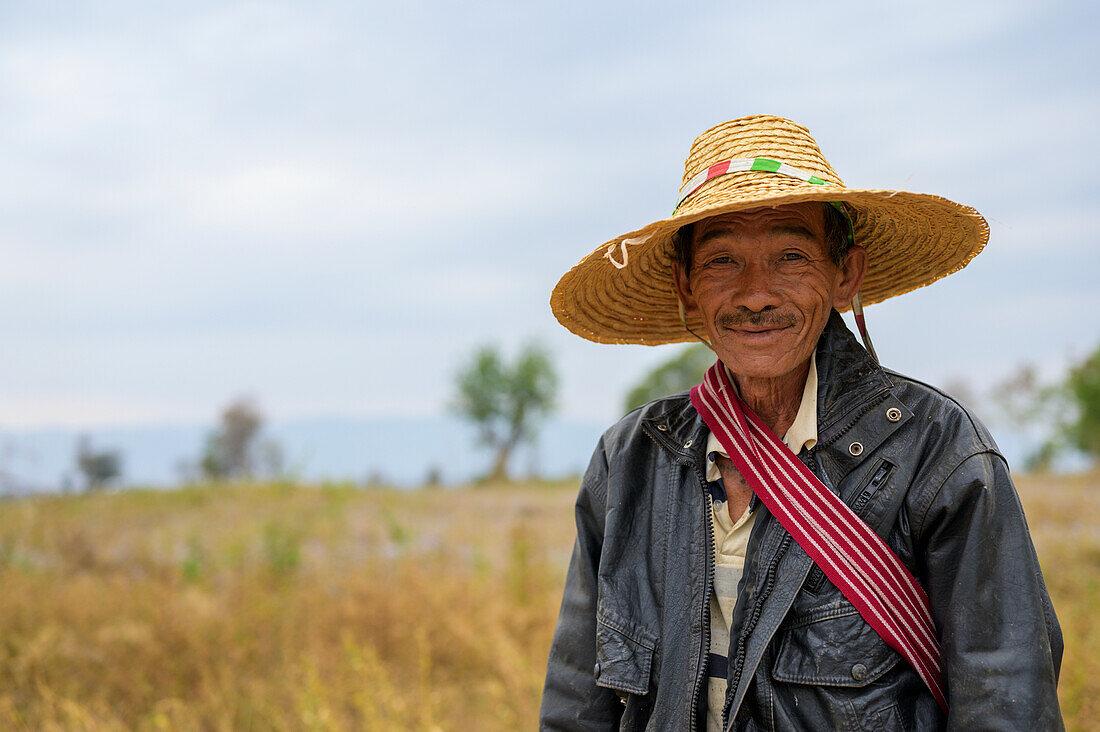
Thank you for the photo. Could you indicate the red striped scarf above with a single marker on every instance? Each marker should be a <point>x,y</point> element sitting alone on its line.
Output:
<point>850,554</point>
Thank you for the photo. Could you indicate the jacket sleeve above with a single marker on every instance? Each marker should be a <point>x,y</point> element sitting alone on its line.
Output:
<point>1001,643</point>
<point>571,700</point>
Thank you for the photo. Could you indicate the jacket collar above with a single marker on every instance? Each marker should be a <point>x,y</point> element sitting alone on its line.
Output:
<point>847,377</point>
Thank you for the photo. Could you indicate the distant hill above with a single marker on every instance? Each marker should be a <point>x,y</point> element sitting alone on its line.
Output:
<point>396,450</point>
<point>399,450</point>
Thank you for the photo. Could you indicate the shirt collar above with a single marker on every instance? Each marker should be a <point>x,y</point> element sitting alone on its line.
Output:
<point>801,434</point>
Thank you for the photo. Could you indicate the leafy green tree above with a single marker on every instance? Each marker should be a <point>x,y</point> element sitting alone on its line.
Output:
<point>681,372</point>
<point>505,401</point>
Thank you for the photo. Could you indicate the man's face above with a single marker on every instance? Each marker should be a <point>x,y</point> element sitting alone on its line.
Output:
<point>764,285</point>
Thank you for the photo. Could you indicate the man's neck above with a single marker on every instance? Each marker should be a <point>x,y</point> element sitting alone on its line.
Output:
<point>775,400</point>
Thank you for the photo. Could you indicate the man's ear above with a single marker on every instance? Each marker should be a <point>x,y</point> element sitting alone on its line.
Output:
<point>850,276</point>
<point>683,290</point>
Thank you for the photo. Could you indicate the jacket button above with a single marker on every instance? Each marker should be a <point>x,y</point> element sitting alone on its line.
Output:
<point>856,448</point>
<point>859,672</point>
<point>596,671</point>
<point>893,414</point>
<point>663,427</point>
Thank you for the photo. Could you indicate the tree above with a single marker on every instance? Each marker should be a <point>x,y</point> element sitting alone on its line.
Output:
<point>1083,389</point>
<point>98,467</point>
<point>505,402</point>
<point>1066,413</point>
<point>434,477</point>
<point>677,374</point>
<point>230,452</point>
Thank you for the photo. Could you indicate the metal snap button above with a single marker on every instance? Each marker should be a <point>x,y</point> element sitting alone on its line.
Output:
<point>688,444</point>
<point>663,427</point>
<point>859,672</point>
<point>622,699</point>
<point>856,448</point>
<point>596,671</point>
<point>893,414</point>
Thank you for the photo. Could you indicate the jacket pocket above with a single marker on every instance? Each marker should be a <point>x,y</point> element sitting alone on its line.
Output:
<point>831,646</point>
<point>623,661</point>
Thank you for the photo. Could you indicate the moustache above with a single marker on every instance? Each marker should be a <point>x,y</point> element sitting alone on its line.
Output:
<point>765,319</point>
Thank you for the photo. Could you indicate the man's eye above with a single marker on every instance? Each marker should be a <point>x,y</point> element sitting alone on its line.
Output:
<point>720,259</point>
<point>792,256</point>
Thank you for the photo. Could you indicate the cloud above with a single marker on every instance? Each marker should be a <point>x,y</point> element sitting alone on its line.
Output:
<point>331,204</point>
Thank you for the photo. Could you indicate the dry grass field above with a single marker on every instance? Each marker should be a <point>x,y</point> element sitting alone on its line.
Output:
<point>331,608</point>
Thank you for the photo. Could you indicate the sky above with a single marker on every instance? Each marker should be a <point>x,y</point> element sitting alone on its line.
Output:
<point>328,206</point>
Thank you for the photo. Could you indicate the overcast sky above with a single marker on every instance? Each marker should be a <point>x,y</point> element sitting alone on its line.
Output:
<point>329,205</point>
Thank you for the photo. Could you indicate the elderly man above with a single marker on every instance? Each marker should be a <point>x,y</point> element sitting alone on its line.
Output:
<point>806,540</point>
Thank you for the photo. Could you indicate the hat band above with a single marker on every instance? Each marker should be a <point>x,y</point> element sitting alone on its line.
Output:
<point>741,165</point>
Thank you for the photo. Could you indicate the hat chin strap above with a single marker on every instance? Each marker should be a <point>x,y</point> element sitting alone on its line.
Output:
<point>861,323</point>
<point>684,322</point>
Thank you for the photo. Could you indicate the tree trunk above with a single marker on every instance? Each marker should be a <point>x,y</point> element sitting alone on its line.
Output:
<point>499,472</point>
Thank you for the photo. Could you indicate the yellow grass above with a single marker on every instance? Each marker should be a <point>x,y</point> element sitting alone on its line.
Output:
<point>1064,516</point>
<point>332,608</point>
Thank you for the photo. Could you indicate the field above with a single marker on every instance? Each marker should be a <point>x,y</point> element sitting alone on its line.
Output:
<point>330,607</point>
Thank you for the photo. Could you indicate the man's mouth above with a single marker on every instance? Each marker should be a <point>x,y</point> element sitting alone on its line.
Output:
<point>758,328</point>
<point>757,334</point>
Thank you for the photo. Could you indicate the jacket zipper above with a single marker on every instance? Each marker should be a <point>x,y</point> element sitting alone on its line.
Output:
<point>881,474</point>
<point>885,469</point>
<point>742,638</point>
<point>708,583</point>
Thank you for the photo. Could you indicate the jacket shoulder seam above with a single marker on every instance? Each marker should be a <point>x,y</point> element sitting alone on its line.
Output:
<point>935,494</point>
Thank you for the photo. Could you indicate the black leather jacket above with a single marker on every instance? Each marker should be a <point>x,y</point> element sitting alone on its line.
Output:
<point>631,642</point>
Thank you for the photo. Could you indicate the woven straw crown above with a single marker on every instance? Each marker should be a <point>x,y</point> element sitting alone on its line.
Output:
<point>623,291</point>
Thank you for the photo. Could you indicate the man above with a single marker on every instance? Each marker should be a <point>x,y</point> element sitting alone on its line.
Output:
<point>872,570</point>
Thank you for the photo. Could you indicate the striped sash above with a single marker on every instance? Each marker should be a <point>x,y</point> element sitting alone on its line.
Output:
<point>852,556</point>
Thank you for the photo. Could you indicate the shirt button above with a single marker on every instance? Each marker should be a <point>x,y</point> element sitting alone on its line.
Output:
<point>859,672</point>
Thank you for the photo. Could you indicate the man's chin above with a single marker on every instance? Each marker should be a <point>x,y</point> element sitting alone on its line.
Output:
<point>756,362</point>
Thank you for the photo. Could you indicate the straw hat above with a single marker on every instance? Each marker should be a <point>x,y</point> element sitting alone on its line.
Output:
<point>623,292</point>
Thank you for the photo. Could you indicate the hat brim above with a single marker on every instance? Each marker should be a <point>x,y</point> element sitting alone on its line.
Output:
<point>912,240</point>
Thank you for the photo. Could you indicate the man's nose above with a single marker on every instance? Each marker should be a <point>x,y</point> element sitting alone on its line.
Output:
<point>756,290</point>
